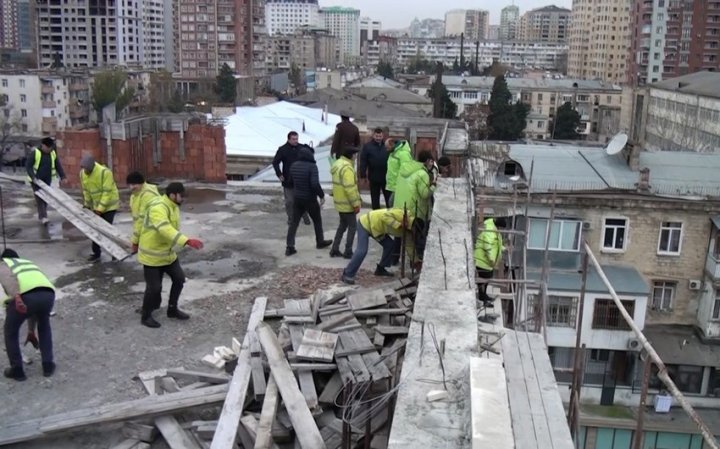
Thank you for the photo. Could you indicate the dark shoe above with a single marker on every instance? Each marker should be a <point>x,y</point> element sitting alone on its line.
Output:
<point>347,254</point>
<point>174,312</point>
<point>324,244</point>
<point>289,251</point>
<point>347,280</point>
<point>48,369</point>
<point>94,258</point>
<point>149,321</point>
<point>381,271</point>
<point>16,373</point>
<point>335,253</point>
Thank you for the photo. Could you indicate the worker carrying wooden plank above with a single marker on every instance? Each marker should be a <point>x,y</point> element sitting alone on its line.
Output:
<point>100,194</point>
<point>140,198</point>
<point>43,164</point>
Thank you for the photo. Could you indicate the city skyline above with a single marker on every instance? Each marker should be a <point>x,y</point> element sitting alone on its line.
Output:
<point>396,15</point>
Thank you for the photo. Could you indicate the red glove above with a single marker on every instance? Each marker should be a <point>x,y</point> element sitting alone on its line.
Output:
<point>357,210</point>
<point>20,306</point>
<point>195,244</point>
<point>97,212</point>
<point>134,248</point>
<point>32,339</point>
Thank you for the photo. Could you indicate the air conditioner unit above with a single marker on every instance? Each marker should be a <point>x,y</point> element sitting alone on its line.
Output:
<point>695,284</point>
<point>633,344</point>
<point>587,226</point>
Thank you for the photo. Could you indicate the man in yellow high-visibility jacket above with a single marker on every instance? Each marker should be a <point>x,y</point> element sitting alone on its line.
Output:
<point>28,294</point>
<point>382,225</point>
<point>156,252</point>
<point>141,196</point>
<point>488,253</point>
<point>346,198</point>
<point>100,194</point>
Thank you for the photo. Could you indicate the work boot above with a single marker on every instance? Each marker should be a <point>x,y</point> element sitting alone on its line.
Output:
<point>347,254</point>
<point>324,244</point>
<point>148,320</point>
<point>174,312</point>
<point>335,253</point>
<point>48,368</point>
<point>347,280</point>
<point>16,373</point>
<point>290,250</point>
<point>94,258</point>
<point>381,271</point>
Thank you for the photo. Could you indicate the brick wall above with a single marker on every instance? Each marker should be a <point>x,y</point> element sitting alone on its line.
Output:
<point>204,159</point>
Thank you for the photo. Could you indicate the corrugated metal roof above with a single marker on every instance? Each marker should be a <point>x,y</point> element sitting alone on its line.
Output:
<point>700,83</point>
<point>625,280</point>
<point>529,83</point>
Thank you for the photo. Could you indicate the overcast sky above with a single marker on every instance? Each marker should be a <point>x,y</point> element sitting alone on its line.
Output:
<point>399,13</point>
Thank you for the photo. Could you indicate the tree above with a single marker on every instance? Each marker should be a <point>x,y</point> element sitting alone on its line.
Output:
<point>495,69</point>
<point>385,70</point>
<point>10,122</point>
<point>110,87</point>
<point>566,123</point>
<point>449,109</point>
<point>176,103</point>
<point>226,85</point>
<point>506,120</point>
<point>295,76</point>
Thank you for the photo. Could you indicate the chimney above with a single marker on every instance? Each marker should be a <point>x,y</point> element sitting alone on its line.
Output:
<point>644,184</point>
<point>631,153</point>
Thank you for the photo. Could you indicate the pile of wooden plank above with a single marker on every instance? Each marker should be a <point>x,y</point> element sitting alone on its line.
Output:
<point>322,377</point>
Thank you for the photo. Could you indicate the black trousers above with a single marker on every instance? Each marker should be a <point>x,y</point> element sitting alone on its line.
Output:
<point>153,285</point>
<point>301,207</point>
<point>39,202</point>
<point>108,216</point>
<point>39,302</point>
<point>375,189</point>
<point>348,221</point>
<point>482,288</point>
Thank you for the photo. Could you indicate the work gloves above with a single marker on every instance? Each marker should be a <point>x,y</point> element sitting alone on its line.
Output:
<point>195,244</point>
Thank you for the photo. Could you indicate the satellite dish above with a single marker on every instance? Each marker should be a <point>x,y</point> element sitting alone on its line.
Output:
<point>617,144</point>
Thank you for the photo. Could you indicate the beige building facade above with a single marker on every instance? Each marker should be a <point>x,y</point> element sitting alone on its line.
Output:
<point>547,24</point>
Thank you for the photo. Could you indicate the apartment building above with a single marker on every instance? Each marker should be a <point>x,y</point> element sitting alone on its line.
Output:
<point>679,114</point>
<point>16,25</point>
<point>286,16</point>
<point>427,28</point>
<point>673,38</point>
<point>651,230</point>
<point>599,39</point>
<point>474,23</point>
<point>509,18</point>
<point>597,102</point>
<point>75,35</point>
<point>307,48</point>
<point>546,24</point>
<point>344,23</point>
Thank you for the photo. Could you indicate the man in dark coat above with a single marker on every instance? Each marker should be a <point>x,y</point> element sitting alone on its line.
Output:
<point>286,155</point>
<point>346,135</point>
<point>373,166</point>
<point>43,164</point>
<point>306,188</point>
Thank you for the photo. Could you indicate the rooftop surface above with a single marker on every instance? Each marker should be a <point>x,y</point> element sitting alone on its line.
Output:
<point>704,84</point>
<point>486,82</point>
<point>625,280</point>
<point>340,100</point>
<point>390,94</point>
<point>680,345</point>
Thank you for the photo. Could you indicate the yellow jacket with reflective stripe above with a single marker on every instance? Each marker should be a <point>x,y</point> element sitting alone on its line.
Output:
<point>488,246</point>
<point>37,154</point>
<point>382,222</point>
<point>345,190</point>
<point>139,202</point>
<point>160,233</point>
<point>99,190</point>
<point>28,275</point>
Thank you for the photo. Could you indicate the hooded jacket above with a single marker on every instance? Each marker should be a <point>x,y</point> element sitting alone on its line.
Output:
<point>304,177</point>
<point>400,154</point>
<point>413,189</point>
<point>287,155</point>
<point>488,246</point>
<point>345,190</point>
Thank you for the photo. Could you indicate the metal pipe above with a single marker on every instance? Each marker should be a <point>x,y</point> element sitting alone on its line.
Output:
<point>662,369</point>
<point>577,381</point>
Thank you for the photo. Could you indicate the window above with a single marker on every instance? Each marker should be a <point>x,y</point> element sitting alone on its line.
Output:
<point>22,83</point>
<point>716,306</point>
<point>663,293</point>
<point>614,234</point>
<point>23,98</point>
<point>561,310</point>
<point>23,112</point>
<point>540,124</point>
<point>4,83</point>
<point>564,235</point>
<point>670,238</point>
<point>607,316</point>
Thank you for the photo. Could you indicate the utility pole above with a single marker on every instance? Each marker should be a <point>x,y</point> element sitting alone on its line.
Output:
<point>462,52</point>
<point>647,369</point>
<point>477,55</point>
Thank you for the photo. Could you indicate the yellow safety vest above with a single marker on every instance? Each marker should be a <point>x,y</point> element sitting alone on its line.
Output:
<point>100,192</point>
<point>160,234</point>
<point>345,190</point>
<point>382,222</point>
<point>139,202</point>
<point>28,275</point>
<point>38,156</point>
<point>488,246</point>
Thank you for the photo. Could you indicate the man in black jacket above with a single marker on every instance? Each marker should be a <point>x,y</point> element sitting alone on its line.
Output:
<point>306,188</point>
<point>373,166</point>
<point>286,155</point>
<point>346,135</point>
<point>43,164</point>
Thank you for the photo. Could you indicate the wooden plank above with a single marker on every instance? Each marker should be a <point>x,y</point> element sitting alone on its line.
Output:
<point>129,443</point>
<point>305,378</point>
<point>377,312</point>
<point>366,299</point>
<point>334,310</point>
<point>317,346</point>
<point>331,390</point>
<point>346,373</point>
<point>300,416</point>
<point>347,327</point>
<point>375,366</point>
<point>227,428</point>
<point>263,437</point>
<point>258,372</point>
<point>392,330</point>
<point>354,341</point>
<point>297,307</point>
<point>139,431</point>
<point>360,371</point>
<point>333,322</point>
<point>198,375</point>
<point>379,340</point>
<point>313,366</point>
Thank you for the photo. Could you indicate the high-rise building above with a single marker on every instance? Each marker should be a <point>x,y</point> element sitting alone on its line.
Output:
<point>546,24</point>
<point>509,17</point>
<point>309,48</point>
<point>473,22</point>
<point>599,38</point>
<point>101,34</point>
<point>671,39</point>
<point>493,33</point>
<point>344,23</point>
<point>286,16</point>
<point>369,34</point>
<point>431,28</point>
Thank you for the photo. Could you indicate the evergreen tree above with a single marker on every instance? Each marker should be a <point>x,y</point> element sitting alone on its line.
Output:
<point>226,85</point>
<point>385,70</point>
<point>506,120</point>
<point>109,87</point>
<point>567,121</point>
<point>449,109</point>
<point>295,77</point>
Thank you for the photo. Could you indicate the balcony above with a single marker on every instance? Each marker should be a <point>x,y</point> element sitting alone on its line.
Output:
<point>47,89</point>
<point>74,87</point>
<point>49,124</point>
<point>712,265</point>
<point>48,104</point>
<point>78,111</point>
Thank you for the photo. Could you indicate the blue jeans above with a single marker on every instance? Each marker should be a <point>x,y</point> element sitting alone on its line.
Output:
<point>39,304</point>
<point>363,238</point>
